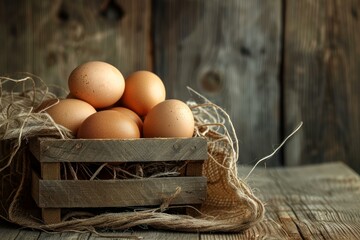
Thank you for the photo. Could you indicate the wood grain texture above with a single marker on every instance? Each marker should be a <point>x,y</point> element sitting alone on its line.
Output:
<point>321,81</point>
<point>136,150</point>
<point>7,232</point>
<point>49,171</point>
<point>50,39</point>
<point>194,168</point>
<point>230,52</point>
<point>119,193</point>
<point>309,202</point>
<point>146,234</point>
<point>28,235</point>
<point>63,236</point>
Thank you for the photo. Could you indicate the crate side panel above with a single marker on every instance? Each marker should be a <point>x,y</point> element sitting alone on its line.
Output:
<point>120,193</point>
<point>137,150</point>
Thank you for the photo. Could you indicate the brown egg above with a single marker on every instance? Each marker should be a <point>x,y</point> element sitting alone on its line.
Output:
<point>108,124</point>
<point>143,90</point>
<point>170,118</point>
<point>131,114</point>
<point>97,83</point>
<point>70,113</point>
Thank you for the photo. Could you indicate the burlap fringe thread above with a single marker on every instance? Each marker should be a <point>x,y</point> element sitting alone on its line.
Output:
<point>230,205</point>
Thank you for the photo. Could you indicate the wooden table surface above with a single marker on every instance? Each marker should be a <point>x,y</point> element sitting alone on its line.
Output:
<point>309,202</point>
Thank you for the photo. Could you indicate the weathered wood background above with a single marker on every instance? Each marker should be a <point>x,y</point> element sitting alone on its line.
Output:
<point>269,64</point>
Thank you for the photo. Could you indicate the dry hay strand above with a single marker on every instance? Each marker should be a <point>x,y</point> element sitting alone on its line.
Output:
<point>230,205</point>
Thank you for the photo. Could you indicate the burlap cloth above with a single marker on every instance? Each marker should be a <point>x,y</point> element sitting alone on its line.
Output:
<point>230,205</point>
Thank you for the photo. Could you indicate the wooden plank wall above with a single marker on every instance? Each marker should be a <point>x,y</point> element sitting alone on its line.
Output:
<point>269,64</point>
<point>321,81</point>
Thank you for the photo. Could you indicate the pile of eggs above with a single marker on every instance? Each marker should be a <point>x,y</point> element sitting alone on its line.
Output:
<point>103,105</point>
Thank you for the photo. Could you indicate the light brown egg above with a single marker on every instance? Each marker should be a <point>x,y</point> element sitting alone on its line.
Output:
<point>97,83</point>
<point>143,90</point>
<point>70,113</point>
<point>131,114</point>
<point>170,118</point>
<point>108,124</point>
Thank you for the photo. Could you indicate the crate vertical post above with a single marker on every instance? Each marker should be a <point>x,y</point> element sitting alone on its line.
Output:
<point>50,171</point>
<point>194,168</point>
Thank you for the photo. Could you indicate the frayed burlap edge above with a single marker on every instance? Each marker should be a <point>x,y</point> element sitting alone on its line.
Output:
<point>230,205</point>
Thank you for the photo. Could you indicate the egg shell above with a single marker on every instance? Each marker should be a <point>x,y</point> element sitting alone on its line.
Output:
<point>143,90</point>
<point>98,83</point>
<point>170,118</point>
<point>108,124</point>
<point>70,113</point>
<point>131,114</point>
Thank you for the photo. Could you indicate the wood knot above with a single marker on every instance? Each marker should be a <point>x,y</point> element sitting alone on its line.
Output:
<point>63,14</point>
<point>78,146</point>
<point>112,11</point>
<point>245,51</point>
<point>194,148</point>
<point>211,82</point>
<point>176,147</point>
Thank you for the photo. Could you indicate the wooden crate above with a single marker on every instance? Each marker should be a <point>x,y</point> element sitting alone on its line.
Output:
<point>51,193</point>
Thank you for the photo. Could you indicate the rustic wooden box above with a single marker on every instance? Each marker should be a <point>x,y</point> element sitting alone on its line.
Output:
<point>51,193</point>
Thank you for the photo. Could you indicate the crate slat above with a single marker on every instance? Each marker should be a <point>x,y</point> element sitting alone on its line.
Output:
<point>136,150</point>
<point>117,193</point>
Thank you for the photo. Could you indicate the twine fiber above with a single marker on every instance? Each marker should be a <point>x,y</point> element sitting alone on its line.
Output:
<point>230,205</point>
